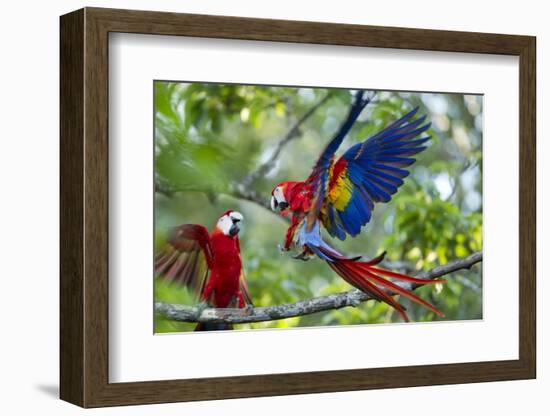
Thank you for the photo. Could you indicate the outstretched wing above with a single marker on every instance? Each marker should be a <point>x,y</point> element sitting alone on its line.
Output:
<point>243,286</point>
<point>369,172</point>
<point>186,258</point>
<point>319,174</point>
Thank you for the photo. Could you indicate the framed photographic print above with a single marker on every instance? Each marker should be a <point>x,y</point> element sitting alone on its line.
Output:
<point>336,197</point>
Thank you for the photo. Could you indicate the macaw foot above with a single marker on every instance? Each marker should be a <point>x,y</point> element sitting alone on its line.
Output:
<point>233,302</point>
<point>282,249</point>
<point>249,308</point>
<point>304,256</point>
<point>202,306</point>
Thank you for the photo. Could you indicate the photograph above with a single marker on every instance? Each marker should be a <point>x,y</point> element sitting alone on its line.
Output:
<point>305,206</point>
<point>280,207</point>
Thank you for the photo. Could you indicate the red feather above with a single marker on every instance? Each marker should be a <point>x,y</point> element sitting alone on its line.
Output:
<point>209,264</point>
<point>368,278</point>
<point>370,171</point>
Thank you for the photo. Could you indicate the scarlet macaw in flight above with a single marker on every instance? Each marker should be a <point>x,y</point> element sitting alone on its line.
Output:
<point>209,264</point>
<point>340,195</point>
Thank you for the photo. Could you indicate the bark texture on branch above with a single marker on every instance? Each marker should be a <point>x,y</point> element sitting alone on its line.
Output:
<point>183,313</point>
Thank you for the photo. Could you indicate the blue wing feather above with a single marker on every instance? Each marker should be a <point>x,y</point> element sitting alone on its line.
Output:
<point>334,225</point>
<point>394,180</point>
<point>358,105</point>
<point>319,175</point>
<point>375,168</point>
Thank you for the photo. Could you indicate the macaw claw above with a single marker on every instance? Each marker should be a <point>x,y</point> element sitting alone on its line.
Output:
<point>202,306</point>
<point>302,256</point>
<point>282,249</point>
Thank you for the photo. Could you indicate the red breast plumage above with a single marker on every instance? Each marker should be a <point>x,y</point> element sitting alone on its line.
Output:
<point>208,263</point>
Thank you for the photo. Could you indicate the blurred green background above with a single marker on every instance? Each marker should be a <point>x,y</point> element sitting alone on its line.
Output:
<point>210,137</point>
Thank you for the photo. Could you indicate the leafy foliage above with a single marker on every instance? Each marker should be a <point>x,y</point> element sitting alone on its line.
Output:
<point>209,137</point>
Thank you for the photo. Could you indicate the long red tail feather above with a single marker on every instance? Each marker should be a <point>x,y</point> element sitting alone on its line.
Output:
<point>406,278</point>
<point>355,279</point>
<point>373,281</point>
<point>408,294</point>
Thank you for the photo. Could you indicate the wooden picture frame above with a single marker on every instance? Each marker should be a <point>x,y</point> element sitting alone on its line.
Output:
<point>84,207</point>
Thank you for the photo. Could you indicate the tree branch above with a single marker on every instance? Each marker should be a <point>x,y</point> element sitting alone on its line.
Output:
<point>236,191</point>
<point>294,132</point>
<point>183,313</point>
<point>242,190</point>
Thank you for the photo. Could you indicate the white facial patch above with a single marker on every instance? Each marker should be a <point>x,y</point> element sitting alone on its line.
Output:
<point>278,194</point>
<point>236,216</point>
<point>226,222</point>
<point>277,198</point>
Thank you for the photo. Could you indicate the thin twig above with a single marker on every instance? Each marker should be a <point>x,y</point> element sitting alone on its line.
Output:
<point>241,192</point>
<point>293,133</point>
<point>236,191</point>
<point>183,313</point>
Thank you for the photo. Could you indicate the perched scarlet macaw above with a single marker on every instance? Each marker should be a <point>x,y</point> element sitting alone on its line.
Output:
<point>209,264</point>
<point>340,195</point>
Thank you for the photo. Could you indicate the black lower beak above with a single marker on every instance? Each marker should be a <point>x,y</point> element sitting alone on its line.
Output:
<point>234,230</point>
<point>283,205</point>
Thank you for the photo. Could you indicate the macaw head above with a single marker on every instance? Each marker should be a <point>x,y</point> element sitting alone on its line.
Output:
<point>281,196</point>
<point>228,223</point>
